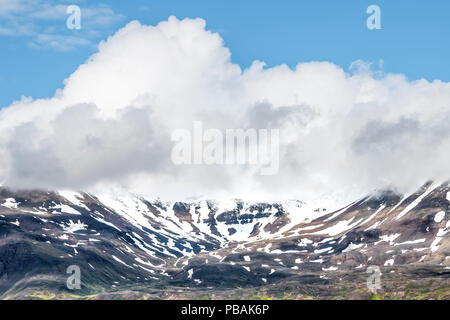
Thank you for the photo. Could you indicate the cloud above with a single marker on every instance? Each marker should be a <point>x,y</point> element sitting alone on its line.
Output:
<point>101,148</point>
<point>44,23</point>
<point>111,124</point>
<point>58,42</point>
<point>8,7</point>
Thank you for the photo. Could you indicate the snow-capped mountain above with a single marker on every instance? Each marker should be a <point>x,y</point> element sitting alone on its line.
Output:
<point>124,241</point>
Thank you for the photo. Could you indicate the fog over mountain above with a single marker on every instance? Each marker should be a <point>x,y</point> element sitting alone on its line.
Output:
<point>348,131</point>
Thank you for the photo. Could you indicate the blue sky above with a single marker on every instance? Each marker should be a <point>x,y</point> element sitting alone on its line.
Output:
<point>38,52</point>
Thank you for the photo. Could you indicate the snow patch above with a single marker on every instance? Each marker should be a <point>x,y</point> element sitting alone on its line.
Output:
<point>389,262</point>
<point>339,227</point>
<point>10,203</point>
<point>410,242</point>
<point>330,269</point>
<point>439,216</point>
<point>73,197</point>
<point>413,204</point>
<point>390,239</point>
<point>120,261</point>
<point>72,227</point>
<point>352,246</point>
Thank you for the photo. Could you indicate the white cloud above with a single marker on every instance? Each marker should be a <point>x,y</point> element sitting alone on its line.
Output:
<point>58,42</point>
<point>8,7</point>
<point>44,22</point>
<point>111,123</point>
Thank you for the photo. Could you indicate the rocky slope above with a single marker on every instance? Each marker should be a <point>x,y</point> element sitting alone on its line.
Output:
<point>130,244</point>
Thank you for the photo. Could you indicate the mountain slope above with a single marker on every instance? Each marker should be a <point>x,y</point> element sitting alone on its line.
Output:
<point>128,242</point>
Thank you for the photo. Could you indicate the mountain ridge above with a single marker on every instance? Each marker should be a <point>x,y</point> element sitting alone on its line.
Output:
<point>130,241</point>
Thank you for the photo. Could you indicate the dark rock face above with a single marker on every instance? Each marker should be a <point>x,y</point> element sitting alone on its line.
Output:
<point>181,210</point>
<point>128,241</point>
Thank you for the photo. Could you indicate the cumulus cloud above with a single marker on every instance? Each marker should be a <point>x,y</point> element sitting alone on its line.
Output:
<point>83,148</point>
<point>111,124</point>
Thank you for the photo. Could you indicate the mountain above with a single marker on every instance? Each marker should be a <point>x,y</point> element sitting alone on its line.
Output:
<point>130,247</point>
